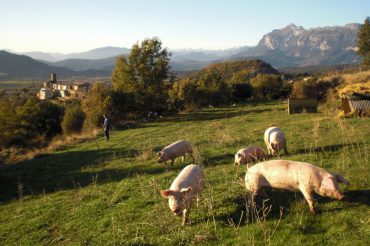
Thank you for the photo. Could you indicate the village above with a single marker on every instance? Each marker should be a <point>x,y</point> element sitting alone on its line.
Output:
<point>63,89</point>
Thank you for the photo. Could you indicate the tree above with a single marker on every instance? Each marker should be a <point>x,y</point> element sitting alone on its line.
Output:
<point>143,73</point>
<point>269,86</point>
<point>364,42</point>
<point>97,103</point>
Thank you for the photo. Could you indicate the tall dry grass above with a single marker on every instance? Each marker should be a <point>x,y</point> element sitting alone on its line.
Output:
<point>14,155</point>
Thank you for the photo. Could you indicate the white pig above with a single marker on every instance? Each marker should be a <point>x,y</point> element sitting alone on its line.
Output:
<point>249,155</point>
<point>275,140</point>
<point>187,186</point>
<point>293,175</point>
<point>174,150</point>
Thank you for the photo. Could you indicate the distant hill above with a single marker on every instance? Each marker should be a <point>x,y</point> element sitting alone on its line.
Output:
<point>14,66</point>
<point>227,69</point>
<point>294,46</point>
<point>100,53</point>
<point>94,54</point>
<point>105,64</point>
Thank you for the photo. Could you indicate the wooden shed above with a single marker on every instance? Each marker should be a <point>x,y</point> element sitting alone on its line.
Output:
<point>356,102</point>
<point>302,105</point>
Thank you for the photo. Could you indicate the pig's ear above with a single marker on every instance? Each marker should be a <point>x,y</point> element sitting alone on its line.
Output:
<point>340,179</point>
<point>165,193</point>
<point>159,154</point>
<point>185,190</point>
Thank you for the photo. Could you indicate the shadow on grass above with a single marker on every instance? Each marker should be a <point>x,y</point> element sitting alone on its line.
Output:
<point>327,148</point>
<point>273,202</point>
<point>214,114</point>
<point>358,196</point>
<point>63,171</point>
<point>219,159</point>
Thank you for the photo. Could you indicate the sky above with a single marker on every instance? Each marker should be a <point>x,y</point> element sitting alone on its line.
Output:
<point>80,25</point>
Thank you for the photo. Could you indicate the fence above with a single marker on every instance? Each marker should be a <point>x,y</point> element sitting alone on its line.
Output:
<point>302,105</point>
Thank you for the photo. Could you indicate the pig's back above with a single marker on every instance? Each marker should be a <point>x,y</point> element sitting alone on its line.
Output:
<point>288,174</point>
<point>271,131</point>
<point>192,175</point>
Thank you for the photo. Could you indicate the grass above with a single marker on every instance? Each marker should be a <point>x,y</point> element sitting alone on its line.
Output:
<point>13,85</point>
<point>107,193</point>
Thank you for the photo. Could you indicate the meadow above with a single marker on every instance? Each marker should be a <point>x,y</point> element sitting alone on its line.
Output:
<point>107,193</point>
<point>17,84</point>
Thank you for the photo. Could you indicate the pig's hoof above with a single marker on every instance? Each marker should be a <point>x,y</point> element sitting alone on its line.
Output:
<point>185,223</point>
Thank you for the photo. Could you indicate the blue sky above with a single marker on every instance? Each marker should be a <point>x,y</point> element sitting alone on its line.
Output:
<point>79,25</point>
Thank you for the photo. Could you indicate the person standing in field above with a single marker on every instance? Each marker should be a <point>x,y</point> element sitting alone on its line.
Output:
<point>106,127</point>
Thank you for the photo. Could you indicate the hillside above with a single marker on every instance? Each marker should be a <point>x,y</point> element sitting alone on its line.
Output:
<point>228,69</point>
<point>14,66</point>
<point>107,193</point>
<point>20,67</point>
<point>106,64</point>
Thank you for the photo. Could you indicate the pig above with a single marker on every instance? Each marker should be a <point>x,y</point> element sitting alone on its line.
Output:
<point>174,150</point>
<point>293,175</point>
<point>249,155</point>
<point>187,186</point>
<point>275,141</point>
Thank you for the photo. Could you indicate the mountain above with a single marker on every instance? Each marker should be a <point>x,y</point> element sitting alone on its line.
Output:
<point>206,55</point>
<point>294,46</point>
<point>13,66</point>
<point>37,55</point>
<point>99,53</point>
<point>105,64</point>
<point>94,54</point>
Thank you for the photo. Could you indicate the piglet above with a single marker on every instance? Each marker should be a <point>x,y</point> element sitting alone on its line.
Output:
<point>249,155</point>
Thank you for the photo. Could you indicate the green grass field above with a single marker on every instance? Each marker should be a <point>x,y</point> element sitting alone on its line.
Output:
<point>13,85</point>
<point>107,193</point>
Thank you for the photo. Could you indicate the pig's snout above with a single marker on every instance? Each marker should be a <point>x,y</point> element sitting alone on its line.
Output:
<point>177,212</point>
<point>340,196</point>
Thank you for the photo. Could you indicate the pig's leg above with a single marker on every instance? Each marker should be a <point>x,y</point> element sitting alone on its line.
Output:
<point>269,150</point>
<point>172,162</point>
<point>183,158</point>
<point>185,219</point>
<point>307,193</point>
<point>286,149</point>
<point>199,196</point>
<point>191,155</point>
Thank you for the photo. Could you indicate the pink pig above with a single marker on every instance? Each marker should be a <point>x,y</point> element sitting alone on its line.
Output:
<point>187,186</point>
<point>174,150</point>
<point>249,155</point>
<point>293,175</point>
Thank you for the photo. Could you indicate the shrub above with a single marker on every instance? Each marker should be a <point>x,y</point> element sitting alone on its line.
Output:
<point>313,88</point>
<point>241,92</point>
<point>73,119</point>
<point>268,86</point>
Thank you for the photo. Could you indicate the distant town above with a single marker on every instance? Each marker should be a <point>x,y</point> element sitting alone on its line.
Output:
<point>63,89</point>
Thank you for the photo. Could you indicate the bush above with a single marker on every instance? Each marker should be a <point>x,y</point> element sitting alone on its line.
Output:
<point>241,92</point>
<point>268,86</point>
<point>313,88</point>
<point>73,119</point>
